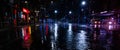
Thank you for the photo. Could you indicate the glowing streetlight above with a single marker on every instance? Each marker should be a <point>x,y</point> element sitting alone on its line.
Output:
<point>83,3</point>
<point>55,11</point>
<point>70,12</point>
<point>51,2</point>
<point>26,1</point>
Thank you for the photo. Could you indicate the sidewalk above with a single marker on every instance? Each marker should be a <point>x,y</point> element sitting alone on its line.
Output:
<point>3,29</point>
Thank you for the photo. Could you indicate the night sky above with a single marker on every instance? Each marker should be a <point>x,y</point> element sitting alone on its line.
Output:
<point>96,5</point>
<point>75,5</point>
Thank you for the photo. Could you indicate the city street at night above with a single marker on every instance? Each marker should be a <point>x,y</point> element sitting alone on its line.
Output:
<point>59,25</point>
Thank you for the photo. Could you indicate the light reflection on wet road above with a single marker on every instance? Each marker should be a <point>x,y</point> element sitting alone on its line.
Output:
<point>63,37</point>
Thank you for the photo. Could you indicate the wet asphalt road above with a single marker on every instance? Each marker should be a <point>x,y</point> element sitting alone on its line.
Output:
<point>59,37</point>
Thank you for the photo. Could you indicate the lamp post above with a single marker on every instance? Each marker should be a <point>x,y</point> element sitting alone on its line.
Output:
<point>83,5</point>
<point>70,12</point>
<point>55,11</point>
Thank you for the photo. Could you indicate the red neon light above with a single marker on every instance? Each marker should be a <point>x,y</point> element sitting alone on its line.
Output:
<point>26,10</point>
<point>27,33</point>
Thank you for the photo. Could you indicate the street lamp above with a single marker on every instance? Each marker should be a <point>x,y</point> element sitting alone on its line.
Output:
<point>70,12</point>
<point>52,2</point>
<point>26,1</point>
<point>55,11</point>
<point>83,7</point>
<point>83,3</point>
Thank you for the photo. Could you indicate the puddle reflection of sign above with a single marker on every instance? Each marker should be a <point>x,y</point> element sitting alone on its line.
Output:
<point>26,32</point>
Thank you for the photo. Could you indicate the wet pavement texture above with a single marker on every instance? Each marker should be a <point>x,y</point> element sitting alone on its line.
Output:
<point>59,37</point>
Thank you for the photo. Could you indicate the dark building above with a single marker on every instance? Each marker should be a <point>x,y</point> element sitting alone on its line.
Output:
<point>102,5</point>
<point>6,13</point>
